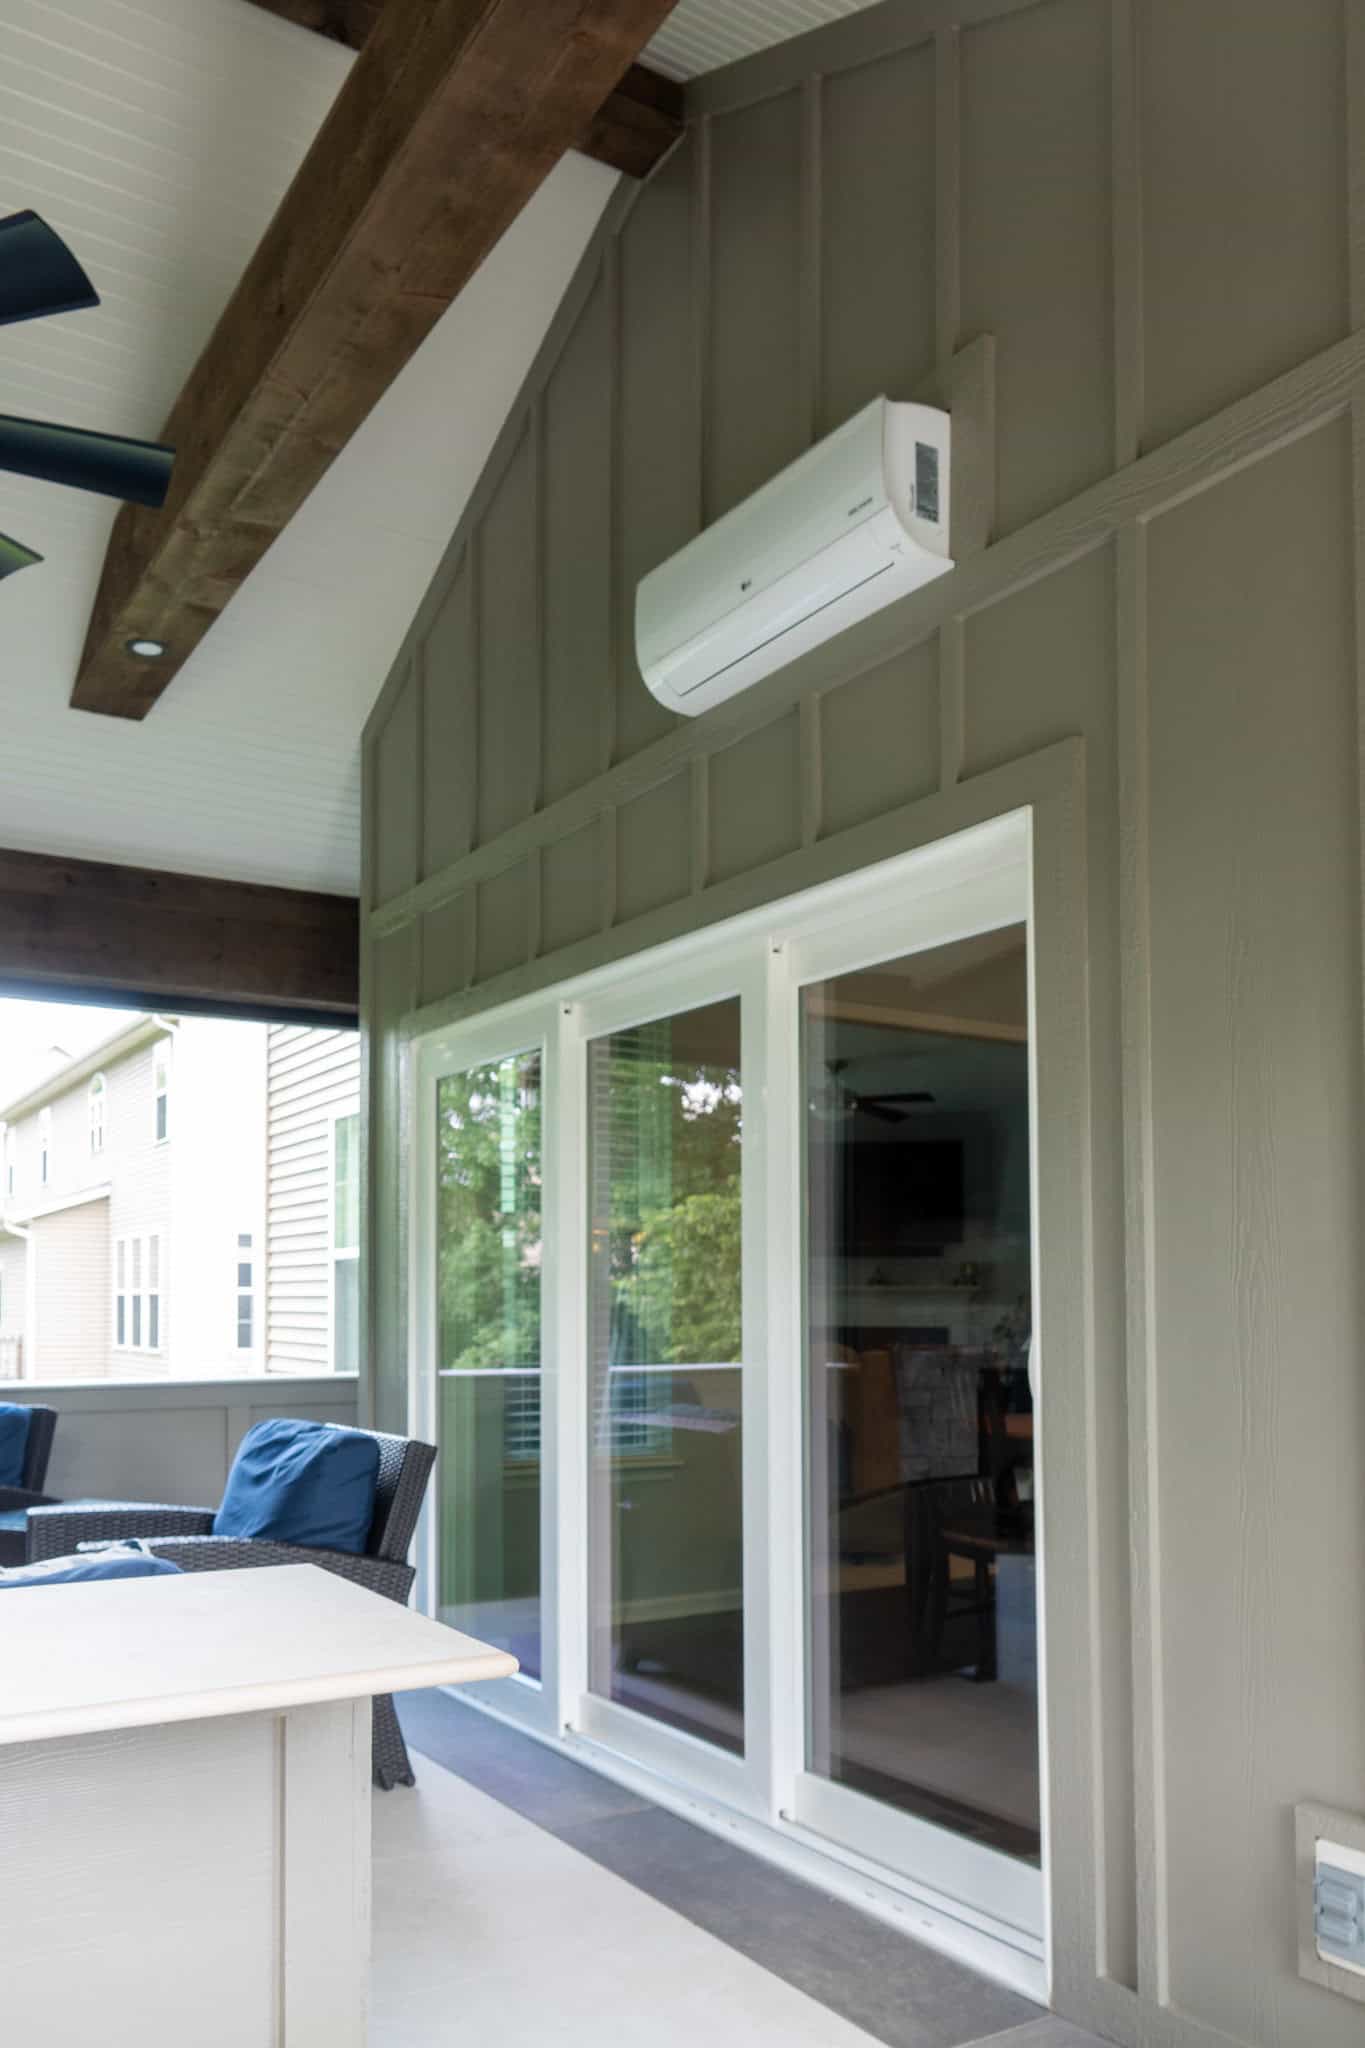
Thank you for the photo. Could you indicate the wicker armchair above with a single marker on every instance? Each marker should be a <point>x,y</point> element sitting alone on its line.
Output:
<point>42,1427</point>
<point>185,1535</point>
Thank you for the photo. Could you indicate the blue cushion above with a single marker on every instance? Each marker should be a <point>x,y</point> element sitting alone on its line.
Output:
<point>302,1482</point>
<point>14,1422</point>
<point>110,1564</point>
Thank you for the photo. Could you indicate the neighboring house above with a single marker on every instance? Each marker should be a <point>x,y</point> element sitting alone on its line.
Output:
<point>133,1208</point>
<point>313,1200</point>
<point>183,1202</point>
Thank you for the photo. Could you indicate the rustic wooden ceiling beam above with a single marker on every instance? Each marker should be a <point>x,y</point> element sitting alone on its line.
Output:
<point>635,127</point>
<point>94,927</point>
<point>453,114</point>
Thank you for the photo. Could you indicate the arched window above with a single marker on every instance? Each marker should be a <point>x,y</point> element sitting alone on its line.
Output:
<point>95,1102</point>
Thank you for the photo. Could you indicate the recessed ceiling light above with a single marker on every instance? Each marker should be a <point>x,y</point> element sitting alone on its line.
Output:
<point>147,650</point>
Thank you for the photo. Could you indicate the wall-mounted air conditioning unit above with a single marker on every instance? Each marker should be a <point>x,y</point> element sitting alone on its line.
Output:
<point>858,520</point>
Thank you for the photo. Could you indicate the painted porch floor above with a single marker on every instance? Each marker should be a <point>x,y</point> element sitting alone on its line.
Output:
<point>523,1899</point>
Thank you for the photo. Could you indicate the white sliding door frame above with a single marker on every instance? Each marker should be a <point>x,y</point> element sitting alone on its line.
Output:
<point>530,1027</point>
<point>1007,848</point>
<point>896,918</point>
<point>724,971</point>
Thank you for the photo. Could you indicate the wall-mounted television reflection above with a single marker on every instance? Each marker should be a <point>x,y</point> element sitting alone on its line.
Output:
<point>892,1198</point>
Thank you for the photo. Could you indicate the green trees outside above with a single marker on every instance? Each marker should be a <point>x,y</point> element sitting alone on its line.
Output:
<point>671,1185</point>
<point>488,1164</point>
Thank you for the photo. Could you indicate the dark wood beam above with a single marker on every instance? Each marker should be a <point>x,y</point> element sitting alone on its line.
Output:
<point>633,130</point>
<point>91,927</point>
<point>451,117</point>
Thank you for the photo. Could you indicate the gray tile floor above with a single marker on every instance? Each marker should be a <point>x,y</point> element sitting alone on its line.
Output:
<point>898,1991</point>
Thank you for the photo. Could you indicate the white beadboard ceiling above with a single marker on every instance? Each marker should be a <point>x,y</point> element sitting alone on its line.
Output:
<point>701,35</point>
<point>158,136</point>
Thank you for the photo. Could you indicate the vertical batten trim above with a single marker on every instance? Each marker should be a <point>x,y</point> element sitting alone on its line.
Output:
<point>370,1209</point>
<point>1357,426</point>
<point>535,875</point>
<point>1126,223</point>
<point>614,679</point>
<point>947,194</point>
<point>471,935</point>
<point>536,746</point>
<point>700,796</point>
<point>702,309</point>
<point>812,776</point>
<point>952,700</point>
<point>418,928</point>
<point>1353,31</point>
<point>610,828</point>
<point>475,628</point>
<point>418,680</point>
<point>1135,924</point>
<point>812,283</point>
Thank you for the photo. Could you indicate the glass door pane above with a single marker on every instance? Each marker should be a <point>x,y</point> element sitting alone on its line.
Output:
<point>665,1540</point>
<point>923,1657</point>
<point>488,1274</point>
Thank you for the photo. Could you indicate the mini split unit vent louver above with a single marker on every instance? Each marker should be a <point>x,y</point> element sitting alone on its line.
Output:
<point>860,519</point>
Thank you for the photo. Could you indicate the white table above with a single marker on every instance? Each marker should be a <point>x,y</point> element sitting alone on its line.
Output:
<point>185,1804</point>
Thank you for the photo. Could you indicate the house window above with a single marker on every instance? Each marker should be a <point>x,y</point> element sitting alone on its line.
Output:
<point>44,1143</point>
<point>95,1102</point>
<point>137,1293</point>
<point>161,1088</point>
<point>246,1295</point>
<point>346,1243</point>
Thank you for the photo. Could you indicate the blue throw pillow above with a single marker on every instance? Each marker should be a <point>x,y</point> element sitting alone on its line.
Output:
<point>14,1422</point>
<point>302,1482</point>
<point>110,1564</point>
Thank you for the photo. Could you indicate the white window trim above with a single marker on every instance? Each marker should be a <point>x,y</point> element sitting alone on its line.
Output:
<point>44,1145</point>
<point>875,892</point>
<point>337,1114</point>
<point>241,1255</point>
<point>125,1241</point>
<point>97,1090</point>
<point>161,1051</point>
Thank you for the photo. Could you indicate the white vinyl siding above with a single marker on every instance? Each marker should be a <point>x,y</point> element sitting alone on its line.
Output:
<point>12,1255</point>
<point>70,1254</point>
<point>313,1078</point>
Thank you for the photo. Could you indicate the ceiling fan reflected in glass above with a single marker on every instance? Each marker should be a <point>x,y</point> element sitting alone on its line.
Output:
<point>39,275</point>
<point>834,1101</point>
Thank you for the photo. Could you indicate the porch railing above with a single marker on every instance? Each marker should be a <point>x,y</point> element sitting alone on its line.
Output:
<point>170,1440</point>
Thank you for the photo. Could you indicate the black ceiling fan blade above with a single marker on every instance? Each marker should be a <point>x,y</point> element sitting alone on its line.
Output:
<point>38,273</point>
<point>139,471</point>
<point>873,1106</point>
<point>14,555</point>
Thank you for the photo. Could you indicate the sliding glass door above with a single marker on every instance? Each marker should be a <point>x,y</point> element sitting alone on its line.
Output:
<point>921,1580</point>
<point>726,1295</point>
<point>665,1336</point>
<point>488,1320</point>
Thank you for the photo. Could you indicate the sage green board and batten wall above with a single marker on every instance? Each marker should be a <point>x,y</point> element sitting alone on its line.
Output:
<point>1149,205</point>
